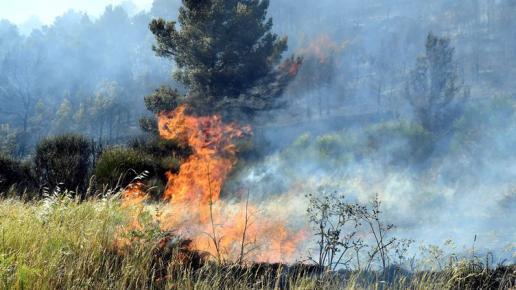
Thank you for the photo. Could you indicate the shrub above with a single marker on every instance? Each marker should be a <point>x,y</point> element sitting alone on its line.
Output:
<point>407,143</point>
<point>303,141</point>
<point>118,166</point>
<point>14,174</point>
<point>63,160</point>
<point>159,148</point>
<point>328,145</point>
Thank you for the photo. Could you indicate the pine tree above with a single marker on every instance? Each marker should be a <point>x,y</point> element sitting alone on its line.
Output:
<point>434,90</point>
<point>227,57</point>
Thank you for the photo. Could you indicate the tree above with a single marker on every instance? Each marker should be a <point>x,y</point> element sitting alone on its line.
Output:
<point>382,244</point>
<point>226,55</point>
<point>343,227</point>
<point>38,122</point>
<point>63,117</point>
<point>319,69</point>
<point>110,112</point>
<point>163,99</point>
<point>434,90</point>
<point>20,78</point>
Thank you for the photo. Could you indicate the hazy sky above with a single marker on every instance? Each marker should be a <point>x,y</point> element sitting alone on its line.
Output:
<point>18,11</point>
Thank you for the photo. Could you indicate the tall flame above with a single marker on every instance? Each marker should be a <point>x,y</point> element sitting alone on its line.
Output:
<point>227,230</point>
<point>202,175</point>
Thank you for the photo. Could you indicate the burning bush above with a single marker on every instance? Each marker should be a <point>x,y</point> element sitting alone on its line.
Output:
<point>195,207</point>
<point>172,255</point>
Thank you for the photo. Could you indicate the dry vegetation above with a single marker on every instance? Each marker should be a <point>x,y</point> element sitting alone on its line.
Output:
<point>61,243</point>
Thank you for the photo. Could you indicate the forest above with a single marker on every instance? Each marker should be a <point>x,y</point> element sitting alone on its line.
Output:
<point>260,144</point>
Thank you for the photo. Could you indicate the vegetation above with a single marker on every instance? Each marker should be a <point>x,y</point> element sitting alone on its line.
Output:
<point>61,242</point>
<point>66,215</point>
<point>69,63</point>
<point>118,166</point>
<point>15,176</point>
<point>226,55</point>
<point>63,161</point>
<point>434,91</point>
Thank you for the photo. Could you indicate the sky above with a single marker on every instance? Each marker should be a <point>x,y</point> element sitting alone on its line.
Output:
<point>20,11</point>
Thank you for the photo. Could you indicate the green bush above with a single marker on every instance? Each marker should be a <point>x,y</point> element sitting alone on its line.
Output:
<point>118,166</point>
<point>159,148</point>
<point>63,161</point>
<point>14,174</point>
<point>408,143</point>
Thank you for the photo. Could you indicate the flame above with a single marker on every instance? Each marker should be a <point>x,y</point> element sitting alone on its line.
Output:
<point>323,48</point>
<point>228,230</point>
<point>133,197</point>
<point>247,233</point>
<point>202,175</point>
<point>291,66</point>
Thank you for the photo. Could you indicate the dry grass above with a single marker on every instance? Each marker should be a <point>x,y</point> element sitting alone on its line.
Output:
<point>61,243</point>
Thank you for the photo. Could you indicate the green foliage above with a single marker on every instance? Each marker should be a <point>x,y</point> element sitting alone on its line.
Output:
<point>14,175</point>
<point>159,148</point>
<point>400,143</point>
<point>63,161</point>
<point>118,166</point>
<point>417,144</point>
<point>163,99</point>
<point>149,125</point>
<point>326,150</point>
<point>302,141</point>
<point>226,55</point>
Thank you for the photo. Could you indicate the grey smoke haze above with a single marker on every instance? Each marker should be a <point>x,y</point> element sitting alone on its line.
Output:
<point>463,189</point>
<point>454,194</point>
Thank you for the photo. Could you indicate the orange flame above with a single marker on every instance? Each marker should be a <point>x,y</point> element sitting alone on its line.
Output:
<point>202,175</point>
<point>323,48</point>
<point>227,230</point>
<point>133,197</point>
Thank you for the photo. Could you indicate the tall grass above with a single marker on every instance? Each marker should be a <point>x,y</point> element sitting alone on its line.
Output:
<point>62,243</point>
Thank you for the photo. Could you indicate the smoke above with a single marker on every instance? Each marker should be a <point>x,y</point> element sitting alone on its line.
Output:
<point>355,143</point>
<point>359,137</point>
<point>457,192</point>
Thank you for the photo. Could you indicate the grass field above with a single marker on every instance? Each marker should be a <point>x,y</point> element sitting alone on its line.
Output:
<point>61,243</point>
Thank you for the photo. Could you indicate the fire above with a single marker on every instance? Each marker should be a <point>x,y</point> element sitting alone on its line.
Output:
<point>323,48</point>
<point>228,230</point>
<point>133,198</point>
<point>201,177</point>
